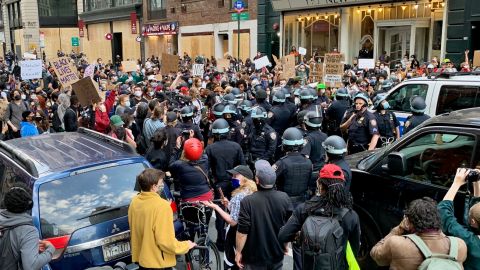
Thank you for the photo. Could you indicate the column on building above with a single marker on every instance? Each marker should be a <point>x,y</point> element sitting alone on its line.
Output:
<point>345,39</point>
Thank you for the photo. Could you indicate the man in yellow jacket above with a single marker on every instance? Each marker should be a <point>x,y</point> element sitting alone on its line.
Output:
<point>150,217</point>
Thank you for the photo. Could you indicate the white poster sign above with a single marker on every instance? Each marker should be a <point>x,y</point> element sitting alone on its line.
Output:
<point>31,69</point>
<point>302,51</point>
<point>262,62</point>
<point>29,56</point>
<point>89,71</point>
<point>331,78</point>
<point>198,70</point>
<point>366,63</point>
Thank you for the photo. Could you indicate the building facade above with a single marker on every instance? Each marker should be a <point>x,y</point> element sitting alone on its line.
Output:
<point>40,25</point>
<point>199,27</point>
<point>463,30</point>
<point>364,28</point>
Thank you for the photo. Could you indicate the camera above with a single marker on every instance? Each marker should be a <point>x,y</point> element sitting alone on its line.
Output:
<point>473,176</point>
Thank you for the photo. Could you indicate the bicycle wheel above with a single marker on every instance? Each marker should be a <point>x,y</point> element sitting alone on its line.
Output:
<point>205,257</point>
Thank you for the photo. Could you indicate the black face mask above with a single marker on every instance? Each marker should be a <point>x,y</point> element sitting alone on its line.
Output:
<point>18,97</point>
<point>258,123</point>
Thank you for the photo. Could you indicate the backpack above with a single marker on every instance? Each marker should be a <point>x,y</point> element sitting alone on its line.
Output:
<point>7,259</point>
<point>435,260</point>
<point>322,242</point>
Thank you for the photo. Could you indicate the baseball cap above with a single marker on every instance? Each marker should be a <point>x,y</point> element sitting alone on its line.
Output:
<point>331,171</point>
<point>171,117</point>
<point>129,111</point>
<point>446,61</point>
<point>116,120</point>
<point>430,66</point>
<point>265,174</point>
<point>243,170</point>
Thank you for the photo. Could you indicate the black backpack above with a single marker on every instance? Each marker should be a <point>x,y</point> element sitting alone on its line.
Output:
<point>7,259</point>
<point>322,242</point>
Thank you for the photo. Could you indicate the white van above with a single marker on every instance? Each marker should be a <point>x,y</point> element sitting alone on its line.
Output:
<point>445,93</point>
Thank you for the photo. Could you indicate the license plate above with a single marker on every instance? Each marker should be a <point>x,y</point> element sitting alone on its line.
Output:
<point>116,250</point>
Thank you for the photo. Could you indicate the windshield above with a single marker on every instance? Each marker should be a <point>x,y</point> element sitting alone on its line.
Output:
<point>65,202</point>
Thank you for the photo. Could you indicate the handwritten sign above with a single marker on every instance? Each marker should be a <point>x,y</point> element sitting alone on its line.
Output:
<point>31,69</point>
<point>89,71</point>
<point>288,66</point>
<point>65,70</point>
<point>333,69</point>
<point>198,70</point>
<point>262,62</point>
<point>129,66</point>
<point>316,72</point>
<point>169,63</point>
<point>87,91</point>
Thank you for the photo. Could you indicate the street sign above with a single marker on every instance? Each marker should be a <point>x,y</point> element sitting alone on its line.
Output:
<point>75,42</point>
<point>243,16</point>
<point>238,5</point>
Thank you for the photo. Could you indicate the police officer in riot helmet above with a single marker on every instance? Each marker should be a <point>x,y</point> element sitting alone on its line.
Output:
<point>246,121</point>
<point>418,107</point>
<point>186,124</point>
<point>300,122</point>
<point>362,126</point>
<point>261,99</point>
<point>229,99</point>
<point>217,110</point>
<point>336,111</point>
<point>306,99</point>
<point>314,138</point>
<point>236,133</point>
<point>223,155</point>
<point>386,86</point>
<point>294,172</point>
<point>388,124</point>
<point>239,96</point>
<point>289,102</point>
<point>336,148</point>
<point>262,141</point>
<point>279,117</point>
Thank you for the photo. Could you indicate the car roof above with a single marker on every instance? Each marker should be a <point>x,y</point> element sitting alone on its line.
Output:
<point>57,152</point>
<point>464,118</point>
<point>458,77</point>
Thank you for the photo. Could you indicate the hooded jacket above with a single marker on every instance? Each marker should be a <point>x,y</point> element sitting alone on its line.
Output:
<point>24,242</point>
<point>28,129</point>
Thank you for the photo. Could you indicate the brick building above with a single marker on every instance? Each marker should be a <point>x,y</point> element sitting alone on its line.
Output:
<point>198,27</point>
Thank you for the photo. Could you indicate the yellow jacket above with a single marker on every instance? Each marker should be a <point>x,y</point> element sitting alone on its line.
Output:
<point>152,233</point>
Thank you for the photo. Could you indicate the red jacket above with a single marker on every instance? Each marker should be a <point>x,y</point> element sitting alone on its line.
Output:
<point>102,121</point>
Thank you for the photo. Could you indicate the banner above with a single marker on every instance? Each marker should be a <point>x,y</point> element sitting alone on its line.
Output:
<point>262,62</point>
<point>129,66</point>
<point>158,29</point>
<point>87,91</point>
<point>81,24</point>
<point>31,69</point>
<point>169,63</point>
<point>65,70</point>
<point>198,70</point>
<point>133,22</point>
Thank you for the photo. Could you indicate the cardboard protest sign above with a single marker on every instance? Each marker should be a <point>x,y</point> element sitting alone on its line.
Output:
<point>169,63</point>
<point>87,91</point>
<point>366,63</point>
<point>65,70</point>
<point>198,70</point>
<point>89,71</point>
<point>333,69</point>
<point>159,77</point>
<point>277,62</point>
<point>302,51</point>
<point>289,66</point>
<point>129,66</point>
<point>316,72</point>
<point>31,69</point>
<point>262,62</point>
<point>476,59</point>
<point>223,64</point>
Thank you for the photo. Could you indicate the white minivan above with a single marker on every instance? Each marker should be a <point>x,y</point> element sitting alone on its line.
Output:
<point>445,93</point>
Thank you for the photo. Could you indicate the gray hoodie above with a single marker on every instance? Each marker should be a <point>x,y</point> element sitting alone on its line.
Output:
<point>25,241</point>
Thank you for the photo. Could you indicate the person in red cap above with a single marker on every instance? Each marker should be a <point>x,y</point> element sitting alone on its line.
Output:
<point>331,200</point>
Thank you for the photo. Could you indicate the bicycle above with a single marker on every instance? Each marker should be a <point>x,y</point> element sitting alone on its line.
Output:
<point>205,256</point>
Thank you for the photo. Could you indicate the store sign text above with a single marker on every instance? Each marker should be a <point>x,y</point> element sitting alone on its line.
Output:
<point>158,29</point>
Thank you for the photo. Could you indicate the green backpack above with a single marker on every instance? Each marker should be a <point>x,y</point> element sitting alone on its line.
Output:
<point>434,260</point>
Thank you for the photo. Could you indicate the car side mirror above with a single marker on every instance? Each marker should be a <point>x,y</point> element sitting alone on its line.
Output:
<point>396,164</point>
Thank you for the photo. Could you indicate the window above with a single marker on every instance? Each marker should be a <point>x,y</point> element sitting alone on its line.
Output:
<point>453,97</point>
<point>156,4</point>
<point>435,157</point>
<point>400,99</point>
<point>7,179</point>
<point>157,9</point>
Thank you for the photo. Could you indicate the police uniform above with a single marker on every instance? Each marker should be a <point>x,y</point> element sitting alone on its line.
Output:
<point>279,118</point>
<point>313,148</point>
<point>292,108</point>
<point>387,124</point>
<point>360,132</point>
<point>262,143</point>
<point>414,120</point>
<point>264,104</point>
<point>334,116</point>
<point>236,132</point>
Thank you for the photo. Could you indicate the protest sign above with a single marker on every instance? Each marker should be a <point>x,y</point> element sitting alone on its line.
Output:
<point>87,91</point>
<point>289,66</point>
<point>333,69</point>
<point>302,51</point>
<point>31,69</point>
<point>262,62</point>
<point>316,72</point>
<point>89,71</point>
<point>159,77</point>
<point>223,64</point>
<point>169,63</point>
<point>476,59</point>
<point>277,62</point>
<point>366,63</point>
<point>198,70</point>
<point>129,66</point>
<point>29,56</point>
<point>65,70</point>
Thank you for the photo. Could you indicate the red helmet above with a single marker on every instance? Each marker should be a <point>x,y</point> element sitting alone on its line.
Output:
<point>193,149</point>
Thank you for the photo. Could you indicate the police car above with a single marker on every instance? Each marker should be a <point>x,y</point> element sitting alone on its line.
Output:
<point>444,93</point>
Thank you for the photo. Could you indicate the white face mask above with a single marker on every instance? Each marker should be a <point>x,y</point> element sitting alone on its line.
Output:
<point>24,96</point>
<point>127,104</point>
<point>138,93</point>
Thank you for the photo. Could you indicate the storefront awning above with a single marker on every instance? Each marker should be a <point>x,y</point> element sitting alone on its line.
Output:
<point>288,5</point>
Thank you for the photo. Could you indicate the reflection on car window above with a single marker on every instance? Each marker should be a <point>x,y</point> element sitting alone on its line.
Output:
<point>455,97</point>
<point>435,157</point>
<point>399,100</point>
<point>8,177</point>
<point>64,202</point>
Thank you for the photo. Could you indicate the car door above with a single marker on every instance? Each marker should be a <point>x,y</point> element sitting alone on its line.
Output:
<point>456,96</point>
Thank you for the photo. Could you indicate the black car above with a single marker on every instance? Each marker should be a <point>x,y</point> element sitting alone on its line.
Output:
<point>422,163</point>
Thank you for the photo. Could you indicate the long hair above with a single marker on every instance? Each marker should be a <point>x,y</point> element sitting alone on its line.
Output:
<point>249,187</point>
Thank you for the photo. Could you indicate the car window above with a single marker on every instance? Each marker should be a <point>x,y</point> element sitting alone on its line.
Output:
<point>455,97</point>
<point>435,157</point>
<point>399,100</point>
<point>7,178</point>
<point>65,204</point>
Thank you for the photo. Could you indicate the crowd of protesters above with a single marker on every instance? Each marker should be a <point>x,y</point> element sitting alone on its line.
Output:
<point>273,145</point>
